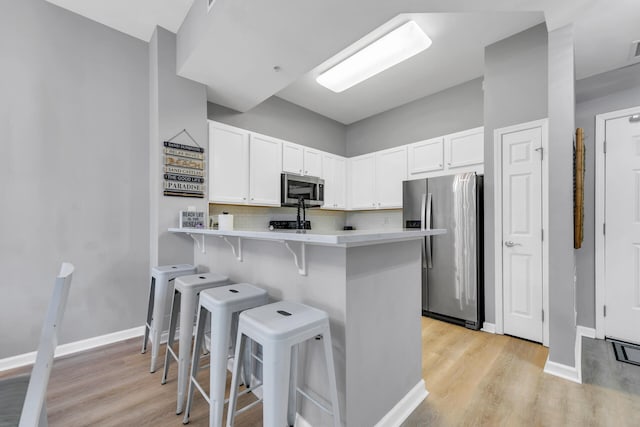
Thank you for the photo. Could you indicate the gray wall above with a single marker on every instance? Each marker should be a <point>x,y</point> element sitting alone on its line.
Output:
<point>515,91</point>
<point>562,326</point>
<point>615,90</point>
<point>175,104</point>
<point>74,164</point>
<point>452,110</point>
<point>282,119</point>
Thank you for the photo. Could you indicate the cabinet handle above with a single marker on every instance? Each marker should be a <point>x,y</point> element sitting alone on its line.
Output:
<point>252,198</point>
<point>244,198</point>
<point>440,165</point>
<point>378,203</point>
<point>306,172</point>
<point>449,163</point>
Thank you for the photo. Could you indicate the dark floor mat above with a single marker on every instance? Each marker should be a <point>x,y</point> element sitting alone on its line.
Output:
<point>626,352</point>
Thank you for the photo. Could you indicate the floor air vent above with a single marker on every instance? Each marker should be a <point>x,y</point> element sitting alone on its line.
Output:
<point>626,352</point>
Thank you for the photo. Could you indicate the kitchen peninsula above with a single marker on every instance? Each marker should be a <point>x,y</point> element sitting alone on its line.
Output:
<point>369,284</point>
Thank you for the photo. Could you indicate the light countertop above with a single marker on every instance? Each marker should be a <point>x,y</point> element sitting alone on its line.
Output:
<point>329,238</point>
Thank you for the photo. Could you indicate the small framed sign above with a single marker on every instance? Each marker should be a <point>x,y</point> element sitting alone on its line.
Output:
<point>184,169</point>
<point>191,219</point>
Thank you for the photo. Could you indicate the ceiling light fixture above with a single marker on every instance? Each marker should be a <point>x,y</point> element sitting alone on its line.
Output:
<point>394,47</point>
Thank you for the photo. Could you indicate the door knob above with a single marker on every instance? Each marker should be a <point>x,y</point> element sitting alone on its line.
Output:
<point>511,244</point>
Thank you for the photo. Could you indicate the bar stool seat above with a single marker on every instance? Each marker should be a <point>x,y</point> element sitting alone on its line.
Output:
<point>223,304</point>
<point>161,278</point>
<point>185,301</point>
<point>279,328</point>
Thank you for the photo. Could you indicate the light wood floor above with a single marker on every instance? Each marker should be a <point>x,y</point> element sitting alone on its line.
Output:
<point>474,379</point>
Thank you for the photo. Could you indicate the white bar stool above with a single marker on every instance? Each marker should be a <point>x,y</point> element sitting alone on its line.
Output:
<point>161,278</point>
<point>222,303</point>
<point>279,328</point>
<point>185,300</point>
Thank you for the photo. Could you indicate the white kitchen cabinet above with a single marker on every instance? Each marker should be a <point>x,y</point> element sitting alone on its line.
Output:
<point>292,158</point>
<point>312,162</point>
<point>228,164</point>
<point>244,167</point>
<point>362,178</point>
<point>464,149</point>
<point>424,157</point>
<point>334,170</point>
<point>301,160</point>
<point>391,170</point>
<point>265,157</point>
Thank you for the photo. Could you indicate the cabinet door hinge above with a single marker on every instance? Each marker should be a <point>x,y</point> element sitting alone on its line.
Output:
<point>604,228</point>
<point>604,147</point>
<point>542,315</point>
<point>542,234</point>
<point>604,310</point>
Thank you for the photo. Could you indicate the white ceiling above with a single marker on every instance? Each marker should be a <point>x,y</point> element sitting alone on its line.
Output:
<point>250,37</point>
<point>138,18</point>
<point>456,56</point>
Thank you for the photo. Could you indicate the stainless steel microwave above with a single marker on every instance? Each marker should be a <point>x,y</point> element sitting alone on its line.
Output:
<point>294,187</point>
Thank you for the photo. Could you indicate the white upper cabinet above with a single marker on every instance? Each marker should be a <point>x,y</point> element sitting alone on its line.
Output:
<point>362,173</point>
<point>301,160</point>
<point>292,158</point>
<point>334,174</point>
<point>464,149</point>
<point>244,167</point>
<point>312,162</point>
<point>265,157</point>
<point>391,170</point>
<point>424,157</point>
<point>228,164</point>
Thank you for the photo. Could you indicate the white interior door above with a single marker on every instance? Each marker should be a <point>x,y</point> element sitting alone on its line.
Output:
<point>522,233</point>
<point>622,237</point>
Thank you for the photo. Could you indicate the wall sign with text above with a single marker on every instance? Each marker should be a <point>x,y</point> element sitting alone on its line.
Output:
<point>184,170</point>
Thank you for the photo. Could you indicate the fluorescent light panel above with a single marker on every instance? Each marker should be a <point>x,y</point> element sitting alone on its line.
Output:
<point>389,50</point>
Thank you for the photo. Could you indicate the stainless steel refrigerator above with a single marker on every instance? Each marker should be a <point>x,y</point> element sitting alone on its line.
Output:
<point>452,273</point>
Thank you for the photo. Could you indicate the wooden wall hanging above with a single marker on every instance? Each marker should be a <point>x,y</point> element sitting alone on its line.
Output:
<point>184,168</point>
<point>578,189</point>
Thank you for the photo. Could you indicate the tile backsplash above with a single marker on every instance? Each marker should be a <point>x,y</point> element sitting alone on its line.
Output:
<point>258,217</point>
<point>378,219</point>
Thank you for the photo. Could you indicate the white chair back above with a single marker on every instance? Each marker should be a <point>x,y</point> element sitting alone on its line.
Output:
<point>34,408</point>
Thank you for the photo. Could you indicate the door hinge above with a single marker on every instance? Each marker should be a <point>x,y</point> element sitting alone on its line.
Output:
<point>604,310</point>
<point>543,315</point>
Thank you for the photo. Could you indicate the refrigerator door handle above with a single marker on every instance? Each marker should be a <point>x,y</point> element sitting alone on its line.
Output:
<point>423,211</point>
<point>428,238</point>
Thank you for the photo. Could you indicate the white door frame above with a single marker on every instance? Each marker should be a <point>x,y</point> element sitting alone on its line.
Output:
<point>497,205</point>
<point>600,211</point>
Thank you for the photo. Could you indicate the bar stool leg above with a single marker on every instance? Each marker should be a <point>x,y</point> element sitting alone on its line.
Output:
<point>333,388</point>
<point>275,386</point>
<point>160,301</point>
<point>171,339</point>
<point>195,360</point>
<point>293,387</point>
<point>219,351</point>
<point>233,394</point>
<point>187,308</point>
<point>147,325</point>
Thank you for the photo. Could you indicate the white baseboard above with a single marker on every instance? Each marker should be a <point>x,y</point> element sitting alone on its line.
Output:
<point>581,331</point>
<point>586,332</point>
<point>73,347</point>
<point>488,327</point>
<point>401,411</point>
<point>563,371</point>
